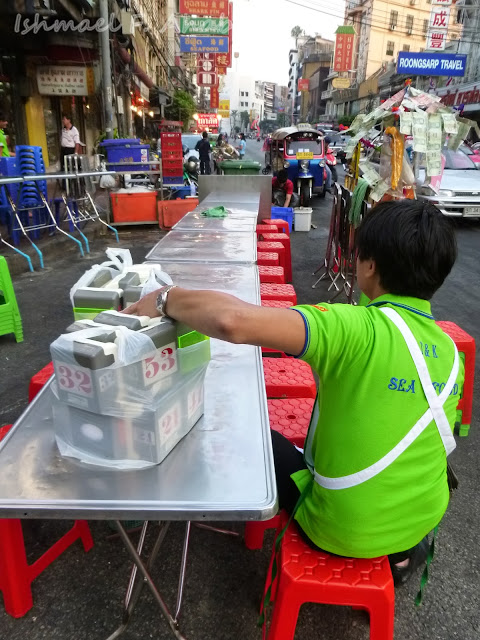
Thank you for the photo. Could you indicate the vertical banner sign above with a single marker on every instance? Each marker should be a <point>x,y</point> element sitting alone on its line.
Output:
<point>230,33</point>
<point>437,30</point>
<point>207,79</point>
<point>221,61</point>
<point>343,58</point>
<point>214,98</point>
<point>212,8</point>
<point>205,65</point>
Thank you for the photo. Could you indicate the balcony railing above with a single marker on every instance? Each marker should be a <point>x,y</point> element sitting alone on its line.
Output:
<point>326,95</point>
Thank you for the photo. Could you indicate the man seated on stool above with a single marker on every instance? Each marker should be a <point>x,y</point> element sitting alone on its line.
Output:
<point>282,191</point>
<point>373,478</point>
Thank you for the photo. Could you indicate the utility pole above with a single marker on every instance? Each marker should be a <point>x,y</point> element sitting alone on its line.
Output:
<point>106,68</point>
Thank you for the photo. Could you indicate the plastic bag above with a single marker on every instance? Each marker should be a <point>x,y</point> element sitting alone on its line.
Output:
<point>122,258</point>
<point>107,182</point>
<point>155,280</point>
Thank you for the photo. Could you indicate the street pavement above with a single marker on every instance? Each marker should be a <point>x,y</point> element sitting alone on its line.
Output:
<point>80,596</point>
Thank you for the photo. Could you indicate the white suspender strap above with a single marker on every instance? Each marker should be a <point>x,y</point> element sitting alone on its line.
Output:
<point>434,412</point>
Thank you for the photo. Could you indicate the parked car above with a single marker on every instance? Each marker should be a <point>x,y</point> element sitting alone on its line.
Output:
<point>459,192</point>
<point>474,154</point>
<point>190,140</point>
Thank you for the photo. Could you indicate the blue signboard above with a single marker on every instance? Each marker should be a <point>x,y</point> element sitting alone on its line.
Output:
<point>204,44</point>
<point>431,64</point>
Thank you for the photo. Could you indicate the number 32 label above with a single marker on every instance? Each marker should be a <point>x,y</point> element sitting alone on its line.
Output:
<point>74,379</point>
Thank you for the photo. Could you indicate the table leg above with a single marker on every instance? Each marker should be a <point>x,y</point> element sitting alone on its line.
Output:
<point>183,568</point>
<point>144,570</point>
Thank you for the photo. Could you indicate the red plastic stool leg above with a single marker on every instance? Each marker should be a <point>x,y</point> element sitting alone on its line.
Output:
<point>382,619</point>
<point>285,612</point>
<point>14,570</point>
<point>254,532</point>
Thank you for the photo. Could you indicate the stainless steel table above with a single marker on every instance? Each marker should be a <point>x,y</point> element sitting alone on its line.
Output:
<point>195,221</point>
<point>222,470</point>
<point>208,247</point>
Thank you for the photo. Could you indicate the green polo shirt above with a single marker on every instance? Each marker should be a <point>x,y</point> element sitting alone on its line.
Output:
<point>3,140</point>
<point>369,398</point>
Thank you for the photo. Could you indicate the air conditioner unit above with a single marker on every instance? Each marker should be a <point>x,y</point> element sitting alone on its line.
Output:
<point>409,31</point>
<point>128,23</point>
<point>392,27</point>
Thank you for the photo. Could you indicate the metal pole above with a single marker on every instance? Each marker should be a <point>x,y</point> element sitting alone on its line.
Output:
<point>106,68</point>
<point>294,92</point>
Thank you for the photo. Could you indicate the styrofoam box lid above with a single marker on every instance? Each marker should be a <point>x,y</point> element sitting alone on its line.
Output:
<point>303,210</point>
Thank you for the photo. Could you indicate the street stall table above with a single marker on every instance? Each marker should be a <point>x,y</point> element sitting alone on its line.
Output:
<point>208,247</point>
<point>233,222</point>
<point>223,469</point>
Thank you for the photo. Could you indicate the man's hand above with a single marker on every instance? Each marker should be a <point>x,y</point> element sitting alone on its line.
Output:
<point>146,306</point>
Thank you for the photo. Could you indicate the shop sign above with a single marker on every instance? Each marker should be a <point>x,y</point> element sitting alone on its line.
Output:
<point>213,8</point>
<point>224,105</point>
<point>431,64</point>
<point>436,41</point>
<point>439,18</point>
<point>205,66</point>
<point>303,84</point>
<point>207,79</point>
<point>341,83</point>
<point>443,3</point>
<point>204,26</point>
<point>343,58</point>
<point>224,114</point>
<point>214,98</point>
<point>62,81</point>
<point>203,44</point>
<point>466,94</point>
<point>208,120</point>
<point>222,71</point>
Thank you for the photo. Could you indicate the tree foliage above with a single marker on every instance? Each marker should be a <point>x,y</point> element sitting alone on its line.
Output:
<point>346,120</point>
<point>296,32</point>
<point>182,108</point>
<point>244,119</point>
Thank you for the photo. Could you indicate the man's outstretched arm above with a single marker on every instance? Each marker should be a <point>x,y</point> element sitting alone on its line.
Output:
<point>223,316</point>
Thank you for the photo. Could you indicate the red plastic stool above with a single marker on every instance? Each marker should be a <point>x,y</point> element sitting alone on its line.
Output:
<point>267,259</point>
<point>39,380</point>
<point>4,430</point>
<point>276,247</point>
<point>285,240</point>
<point>288,378</point>
<point>16,575</point>
<point>269,291</point>
<point>271,274</point>
<point>254,532</point>
<point>305,575</point>
<point>273,353</point>
<point>466,345</point>
<point>281,225</point>
<point>291,417</point>
<point>266,228</point>
<point>276,304</point>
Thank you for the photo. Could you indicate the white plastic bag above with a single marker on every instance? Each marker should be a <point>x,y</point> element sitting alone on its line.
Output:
<point>122,258</point>
<point>155,280</point>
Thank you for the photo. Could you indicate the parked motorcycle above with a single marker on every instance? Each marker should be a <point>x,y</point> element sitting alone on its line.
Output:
<point>191,169</point>
<point>331,162</point>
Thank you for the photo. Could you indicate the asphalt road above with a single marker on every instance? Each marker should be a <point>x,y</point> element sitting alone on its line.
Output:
<point>79,597</point>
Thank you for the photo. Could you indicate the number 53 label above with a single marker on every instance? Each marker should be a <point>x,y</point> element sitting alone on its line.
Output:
<point>161,365</point>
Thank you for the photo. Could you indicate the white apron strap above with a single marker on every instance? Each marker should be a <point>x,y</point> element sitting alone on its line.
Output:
<point>434,412</point>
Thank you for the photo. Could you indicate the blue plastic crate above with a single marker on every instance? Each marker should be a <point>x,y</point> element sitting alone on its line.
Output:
<point>174,180</point>
<point>125,151</point>
<point>284,213</point>
<point>181,192</point>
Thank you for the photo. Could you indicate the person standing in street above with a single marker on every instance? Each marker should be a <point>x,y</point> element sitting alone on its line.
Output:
<point>4,150</point>
<point>242,146</point>
<point>204,149</point>
<point>70,140</point>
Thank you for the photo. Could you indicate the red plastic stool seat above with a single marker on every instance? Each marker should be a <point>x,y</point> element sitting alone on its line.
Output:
<point>254,532</point>
<point>466,345</point>
<point>267,258</point>
<point>291,416</point>
<point>279,224</point>
<point>277,304</point>
<point>288,378</point>
<point>266,228</point>
<point>305,575</point>
<point>271,291</point>
<point>276,247</point>
<point>271,274</point>
<point>16,575</point>
<point>284,239</point>
<point>39,380</point>
<point>273,353</point>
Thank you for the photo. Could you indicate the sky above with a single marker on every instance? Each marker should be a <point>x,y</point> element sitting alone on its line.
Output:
<point>261,33</point>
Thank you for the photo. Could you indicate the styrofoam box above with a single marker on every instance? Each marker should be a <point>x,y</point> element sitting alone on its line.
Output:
<point>303,218</point>
<point>141,434</point>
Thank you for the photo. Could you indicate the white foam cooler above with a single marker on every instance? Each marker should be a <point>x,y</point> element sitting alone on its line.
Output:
<point>142,435</point>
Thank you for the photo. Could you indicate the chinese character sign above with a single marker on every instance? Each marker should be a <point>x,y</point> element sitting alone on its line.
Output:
<point>212,8</point>
<point>207,79</point>
<point>214,98</point>
<point>436,40</point>
<point>303,84</point>
<point>203,44</point>
<point>62,81</point>
<point>443,3</point>
<point>343,58</point>
<point>439,18</point>
<point>204,26</point>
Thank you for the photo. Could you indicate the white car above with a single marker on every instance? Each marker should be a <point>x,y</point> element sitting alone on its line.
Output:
<point>190,140</point>
<point>459,192</point>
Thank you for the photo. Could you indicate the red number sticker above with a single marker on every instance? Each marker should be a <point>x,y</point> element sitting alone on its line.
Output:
<point>161,365</point>
<point>74,379</point>
<point>194,401</point>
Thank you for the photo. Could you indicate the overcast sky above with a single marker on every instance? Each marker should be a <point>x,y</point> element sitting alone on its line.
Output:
<point>261,33</point>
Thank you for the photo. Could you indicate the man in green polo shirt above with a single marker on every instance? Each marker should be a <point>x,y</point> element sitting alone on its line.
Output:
<point>4,151</point>
<point>373,477</point>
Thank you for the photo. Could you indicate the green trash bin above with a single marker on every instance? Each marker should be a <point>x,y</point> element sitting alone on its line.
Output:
<point>240,168</point>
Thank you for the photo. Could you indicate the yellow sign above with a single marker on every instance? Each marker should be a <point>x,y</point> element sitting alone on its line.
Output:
<point>305,155</point>
<point>341,83</point>
<point>224,105</point>
<point>225,114</point>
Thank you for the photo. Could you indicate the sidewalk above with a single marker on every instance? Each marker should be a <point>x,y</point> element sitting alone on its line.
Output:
<point>80,596</point>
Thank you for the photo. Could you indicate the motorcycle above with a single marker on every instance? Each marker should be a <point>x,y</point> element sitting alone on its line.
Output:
<point>331,162</point>
<point>191,169</point>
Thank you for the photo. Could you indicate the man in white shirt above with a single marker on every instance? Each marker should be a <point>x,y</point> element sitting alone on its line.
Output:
<point>70,141</point>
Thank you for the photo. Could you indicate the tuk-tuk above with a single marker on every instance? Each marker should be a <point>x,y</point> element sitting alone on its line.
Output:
<point>300,151</point>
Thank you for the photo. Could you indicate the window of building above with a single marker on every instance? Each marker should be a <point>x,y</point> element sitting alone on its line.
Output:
<point>459,16</point>
<point>246,104</point>
<point>390,48</point>
<point>241,104</point>
<point>409,25</point>
<point>242,93</point>
<point>393,19</point>
<point>246,93</point>
<point>425,26</point>
<point>406,47</point>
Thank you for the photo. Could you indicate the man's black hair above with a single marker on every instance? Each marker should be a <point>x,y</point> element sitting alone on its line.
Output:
<point>413,245</point>
<point>282,176</point>
<point>2,116</point>
<point>204,134</point>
